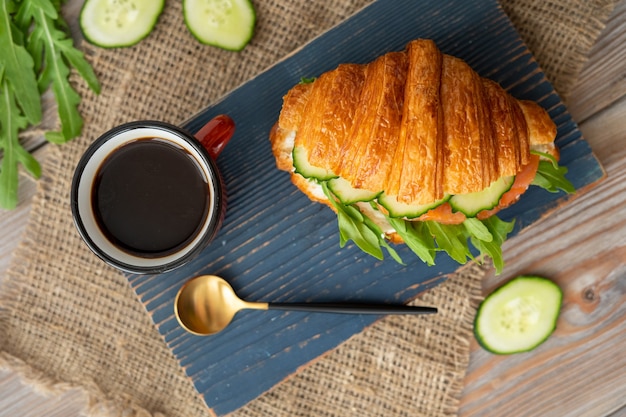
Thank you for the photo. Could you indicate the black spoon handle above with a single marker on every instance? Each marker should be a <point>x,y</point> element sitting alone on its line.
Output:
<point>343,308</point>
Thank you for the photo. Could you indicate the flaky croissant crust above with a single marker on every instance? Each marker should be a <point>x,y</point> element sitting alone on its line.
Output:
<point>416,124</point>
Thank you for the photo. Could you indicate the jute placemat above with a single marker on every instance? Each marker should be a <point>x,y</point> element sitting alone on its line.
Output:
<point>68,321</point>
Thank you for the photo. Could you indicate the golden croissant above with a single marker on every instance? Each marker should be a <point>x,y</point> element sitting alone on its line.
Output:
<point>416,129</point>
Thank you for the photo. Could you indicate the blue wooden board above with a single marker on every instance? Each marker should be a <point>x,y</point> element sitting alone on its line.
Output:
<point>276,245</point>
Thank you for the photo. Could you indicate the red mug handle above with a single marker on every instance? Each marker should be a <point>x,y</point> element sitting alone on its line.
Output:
<point>215,134</point>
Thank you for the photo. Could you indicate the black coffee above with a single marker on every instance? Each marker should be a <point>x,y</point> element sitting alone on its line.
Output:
<point>150,197</point>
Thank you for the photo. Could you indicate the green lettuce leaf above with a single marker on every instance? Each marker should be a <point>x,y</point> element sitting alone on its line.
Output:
<point>353,225</point>
<point>498,229</point>
<point>551,176</point>
<point>452,239</point>
<point>478,229</point>
<point>417,237</point>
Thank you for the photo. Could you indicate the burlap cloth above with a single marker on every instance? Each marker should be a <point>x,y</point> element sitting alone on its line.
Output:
<point>68,321</point>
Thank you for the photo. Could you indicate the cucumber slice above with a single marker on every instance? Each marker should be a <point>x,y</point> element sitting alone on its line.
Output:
<point>348,194</point>
<point>227,24</point>
<point>304,168</point>
<point>408,211</point>
<point>518,316</point>
<point>472,203</point>
<point>118,23</point>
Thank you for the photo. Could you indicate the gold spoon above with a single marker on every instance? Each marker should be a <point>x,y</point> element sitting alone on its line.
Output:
<point>207,304</point>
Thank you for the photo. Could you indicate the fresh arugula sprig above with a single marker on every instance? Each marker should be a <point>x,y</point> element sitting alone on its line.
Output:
<point>48,39</point>
<point>485,235</point>
<point>36,53</point>
<point>429,237</point>
<point>551,176</point>
<point>20,103</point>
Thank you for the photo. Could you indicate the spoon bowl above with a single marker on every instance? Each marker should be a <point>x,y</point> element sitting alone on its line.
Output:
<point>206,304</point>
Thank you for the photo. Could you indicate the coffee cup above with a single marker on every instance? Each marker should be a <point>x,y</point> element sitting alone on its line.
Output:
<point>147,196</point>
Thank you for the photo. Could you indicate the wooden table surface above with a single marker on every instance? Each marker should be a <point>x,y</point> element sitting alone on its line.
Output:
<point>581,369</point>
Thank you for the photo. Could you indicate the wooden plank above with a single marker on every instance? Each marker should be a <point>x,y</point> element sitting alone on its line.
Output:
<point>605,132</point>
<point>71,12</point>
<point>590,336</point>
<point>603,78</point>
<point>619,413</point>
<point>21,400</point>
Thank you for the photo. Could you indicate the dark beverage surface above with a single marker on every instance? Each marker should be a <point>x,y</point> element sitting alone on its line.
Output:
<point>150,197</point>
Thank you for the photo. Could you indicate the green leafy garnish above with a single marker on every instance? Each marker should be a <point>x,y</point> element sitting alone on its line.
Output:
<point>452,239</point>
<point>424,238</point>
<point>498,229</point>
<point>417,237</point>
<point>36,53</point>
<point>353,225</point>
<point>11,121</point>
<point>551,176</point>
<point>478,229</point>
<point>59,54</point>
<point>381,239</point>
<point>17,66</point>
<point>309,80</point>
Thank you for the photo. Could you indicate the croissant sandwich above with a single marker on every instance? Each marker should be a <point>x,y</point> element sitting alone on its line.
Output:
<point>415,147</point>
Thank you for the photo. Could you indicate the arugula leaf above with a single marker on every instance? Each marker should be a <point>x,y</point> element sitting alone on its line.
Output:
<point>381,239</point>
<point>417,237</point>
<point>353,225</point>
<point>35,53</point>
<point>18,65</point>
<point>452,239</point>
<point>498,229</point>
<point>11,121</point>
<point>551,176</point>
<point>58,51</point>
<point>478,229</point>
